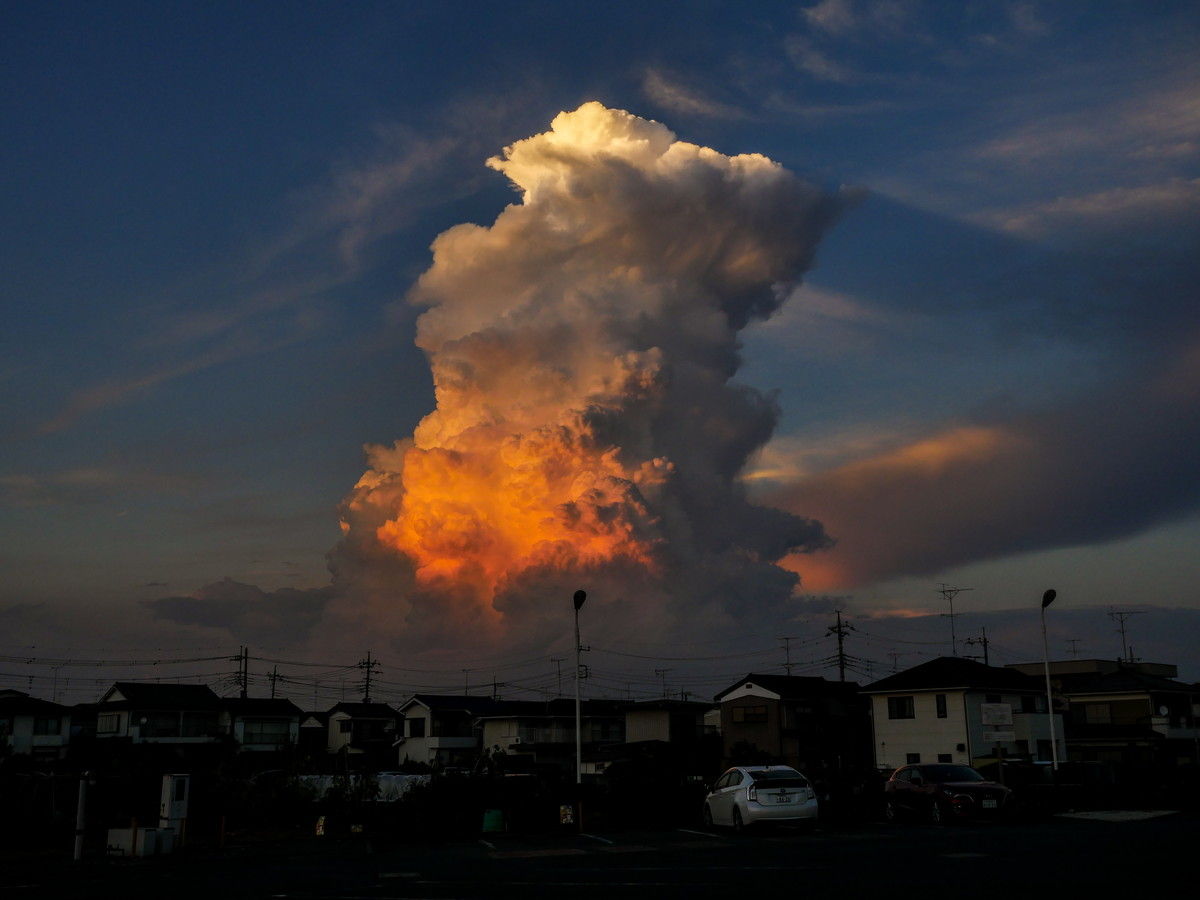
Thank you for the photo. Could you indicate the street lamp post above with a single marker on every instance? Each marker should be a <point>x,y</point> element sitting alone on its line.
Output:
<point>1047,599</point>
<point>580,597</point>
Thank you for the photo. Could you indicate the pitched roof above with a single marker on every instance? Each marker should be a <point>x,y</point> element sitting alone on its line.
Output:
<point>19,704</point>
<point>365,710</point>
<point>261,706</point>
<point>793,686</point>
<point>161,696</point>
<point>1121,681</point>
<point>954,672</point>
<point>478,706</point>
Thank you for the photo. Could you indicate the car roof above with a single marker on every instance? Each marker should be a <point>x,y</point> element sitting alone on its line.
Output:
<point>764,768</point>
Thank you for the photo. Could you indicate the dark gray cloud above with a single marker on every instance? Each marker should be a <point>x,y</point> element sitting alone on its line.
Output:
<point>1108,465</point>
<point>272,618</point>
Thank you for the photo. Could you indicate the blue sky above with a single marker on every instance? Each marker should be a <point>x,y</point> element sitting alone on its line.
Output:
<point>213,212</point>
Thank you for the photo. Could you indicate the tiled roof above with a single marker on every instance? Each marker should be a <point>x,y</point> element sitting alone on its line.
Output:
<point>145,695</point>
<point>954,672</point>
<point>1124,680</point>
<point>793,686</point>
<point>366,710</point>
<point>24,705</point>
<point>261,706</point>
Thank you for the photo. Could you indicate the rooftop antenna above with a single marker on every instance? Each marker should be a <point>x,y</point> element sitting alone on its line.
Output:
<point>558,661</point>
<point>787,653</point>
<point>662,673</point>
<point>983,642</point>
<point>1119,616</point>
<point>948,594</point>
<point>1074,642</point>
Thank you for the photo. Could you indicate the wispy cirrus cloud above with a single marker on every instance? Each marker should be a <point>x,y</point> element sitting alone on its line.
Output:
<point>672,94</point>
<point>83,484</point>
<point>1101,210</point>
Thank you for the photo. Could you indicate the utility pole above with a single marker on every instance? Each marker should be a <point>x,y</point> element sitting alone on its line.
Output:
<point>1119,616</point>
<point>274,676</point>
<point>466,682</point>
<point>558,661</point>
<point>368,666</point>
<point>662,673</point>
<point>840,629</point>
<point>244,670</point>
<point>982,641</point>
<point>948,594</point>
<point>895,658</point>
<point>787,653</point>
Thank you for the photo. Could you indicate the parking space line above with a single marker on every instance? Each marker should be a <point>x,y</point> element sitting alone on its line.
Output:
<point>708,834</point>
<point>596,837</point>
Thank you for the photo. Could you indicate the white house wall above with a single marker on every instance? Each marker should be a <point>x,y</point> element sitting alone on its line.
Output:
<point>647,725</point>
<point>925,733</point>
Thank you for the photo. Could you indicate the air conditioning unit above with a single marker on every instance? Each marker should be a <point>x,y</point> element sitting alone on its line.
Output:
<point>515,740</point>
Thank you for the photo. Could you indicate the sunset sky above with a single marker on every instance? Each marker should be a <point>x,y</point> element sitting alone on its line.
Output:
<point>898,294</point>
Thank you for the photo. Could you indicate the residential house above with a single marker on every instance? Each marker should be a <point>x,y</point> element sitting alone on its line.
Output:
<point>543,731</point>
<point>156,713</point>
<point>364,731</point>
<point>33,727</point>
<point>261,724</point>
<point>1126,713</point>
<point>314,734</point>
<point>440,729</point>
<point>820,727</point>
<point>959,711</point>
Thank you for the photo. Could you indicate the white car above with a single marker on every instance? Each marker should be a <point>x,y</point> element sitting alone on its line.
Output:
<point>745,795</point>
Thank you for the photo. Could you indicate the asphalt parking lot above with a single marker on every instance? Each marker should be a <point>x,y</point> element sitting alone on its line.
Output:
<point>1057,856</point>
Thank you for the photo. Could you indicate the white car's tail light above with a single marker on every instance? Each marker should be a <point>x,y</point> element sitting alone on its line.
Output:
<point>752,793</point>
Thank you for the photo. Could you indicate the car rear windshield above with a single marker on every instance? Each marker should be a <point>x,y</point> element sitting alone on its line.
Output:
<point>942,774</point>
<point>779,778</point>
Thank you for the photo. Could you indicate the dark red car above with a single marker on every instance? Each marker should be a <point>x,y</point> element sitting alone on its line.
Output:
<point>942,792</point>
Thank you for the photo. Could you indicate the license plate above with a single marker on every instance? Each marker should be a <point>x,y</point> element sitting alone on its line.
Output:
<point>783,798</point>
<point>989,804</point>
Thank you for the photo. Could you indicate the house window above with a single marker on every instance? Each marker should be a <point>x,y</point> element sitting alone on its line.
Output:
<point>5,726</point>
<point>749,714</point>
<point>1097,713</point>
<point>912,758</point>
<point>940,699</point>
<point>198,724</point>
<point>945,758</point>
<point>160,724</point>
<point>416,728</point>
<point>1028,703</point>
<point>1044,750</point>
<point>266,732</point>
<point>901,708</point>
<point>47,725</point>
<point>108,723</point>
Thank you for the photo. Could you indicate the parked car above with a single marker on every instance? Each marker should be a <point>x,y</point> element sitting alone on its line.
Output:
<point>746,795</point>
<point>942,792</point>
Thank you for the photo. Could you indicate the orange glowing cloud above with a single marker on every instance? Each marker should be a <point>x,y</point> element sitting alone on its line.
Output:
<point>582,349</point>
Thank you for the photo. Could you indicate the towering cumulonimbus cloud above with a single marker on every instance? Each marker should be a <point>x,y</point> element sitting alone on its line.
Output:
<point>587,432</point>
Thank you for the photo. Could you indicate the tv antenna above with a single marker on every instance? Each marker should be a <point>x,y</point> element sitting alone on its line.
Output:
<point>948,594</point>
<point>1119,616</point>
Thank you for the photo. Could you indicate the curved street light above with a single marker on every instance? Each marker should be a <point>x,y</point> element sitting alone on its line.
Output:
<point>1047,599</point>
<point>580,597</point>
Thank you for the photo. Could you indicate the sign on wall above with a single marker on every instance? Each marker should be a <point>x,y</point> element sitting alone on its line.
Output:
<point>995,713</point>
